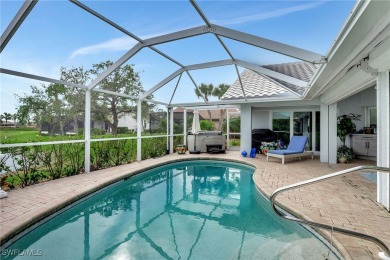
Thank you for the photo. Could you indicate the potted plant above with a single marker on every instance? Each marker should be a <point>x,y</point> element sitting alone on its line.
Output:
<point>344,154</point>
<point>3,182</point>
<point>181,149</point>
<point>265,146</point>
<point>345,126</point>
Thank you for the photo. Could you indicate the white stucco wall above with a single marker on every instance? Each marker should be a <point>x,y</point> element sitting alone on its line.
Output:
<point>260,119</point>
<point>357,104</point>
<point>246,127</point>
<point>127,121</point>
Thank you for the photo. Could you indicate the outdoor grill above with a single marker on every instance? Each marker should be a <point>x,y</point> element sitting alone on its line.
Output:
<point>262,135</point>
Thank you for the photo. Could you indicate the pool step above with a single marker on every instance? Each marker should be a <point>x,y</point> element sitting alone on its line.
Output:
<point>298,249</point>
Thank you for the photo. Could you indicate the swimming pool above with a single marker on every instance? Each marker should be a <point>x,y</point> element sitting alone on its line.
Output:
<point>189,210</point>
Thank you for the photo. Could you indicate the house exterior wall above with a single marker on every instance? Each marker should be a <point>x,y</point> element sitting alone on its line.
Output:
<point>128,121</point>
<point>261,119</point>
<point>259,115</point>
<point>98,125</point>
<point>358,104</point>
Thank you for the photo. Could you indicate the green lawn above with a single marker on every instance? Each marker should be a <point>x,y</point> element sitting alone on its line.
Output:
<point>12,135</point>
<point>24,135</point>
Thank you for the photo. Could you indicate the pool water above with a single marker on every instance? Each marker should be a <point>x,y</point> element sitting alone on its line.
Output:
<point>370,176</point>
<point>189,210</point>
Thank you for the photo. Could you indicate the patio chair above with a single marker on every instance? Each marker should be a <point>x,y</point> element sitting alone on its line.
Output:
<point>296,149</point>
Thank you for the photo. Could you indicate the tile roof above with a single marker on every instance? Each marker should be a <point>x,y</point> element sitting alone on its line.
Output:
<point>299,70</point>
<point>258,85</point>
<point>255,86</point>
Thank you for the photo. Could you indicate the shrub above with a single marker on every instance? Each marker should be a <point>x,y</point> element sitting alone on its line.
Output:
<point>26,162</point>
<point>153,147</point>
<point>235,142</point>
<point>80,131</point>
<point>206,125</point>
<point>124,130</point>
<point>32,164</point>
<point>74,154</point>
<point>234,125</point>
<point>97,131</point>
<point>106,154</point>
<point>94,131</point>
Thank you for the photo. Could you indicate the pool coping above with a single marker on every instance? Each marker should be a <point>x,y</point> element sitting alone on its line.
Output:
<point>42,216</point>
<point>321,234</point>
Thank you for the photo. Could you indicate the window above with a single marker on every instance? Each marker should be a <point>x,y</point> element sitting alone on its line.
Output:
<point>303,126</point>
<point>281,126</point>
<point>372,117</point>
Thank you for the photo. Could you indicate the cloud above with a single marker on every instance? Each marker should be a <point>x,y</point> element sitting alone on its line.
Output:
<point>268,15</point>
<point>117,44</point>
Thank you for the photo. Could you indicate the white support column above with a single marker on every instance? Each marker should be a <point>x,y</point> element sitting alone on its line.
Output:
<point>139,130</point>
<point>291,116</point>
<point>313,131</point>
<point>167,132</point>
<point>87,132</point>
<point>383,137</point>
<point>246,127</point>
<point>185,126</point>
<point>324,133</point>
<point>171,130</point>
<point>228,128</point>
<point>332,142</point>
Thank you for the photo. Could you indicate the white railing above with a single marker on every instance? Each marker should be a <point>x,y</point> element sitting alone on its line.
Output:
<point>386,251</point>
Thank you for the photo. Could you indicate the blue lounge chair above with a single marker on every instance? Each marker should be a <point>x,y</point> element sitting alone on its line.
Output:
<point>295,149</point>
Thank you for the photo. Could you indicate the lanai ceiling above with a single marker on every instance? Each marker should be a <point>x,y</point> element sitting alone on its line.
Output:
<point>227,40</point>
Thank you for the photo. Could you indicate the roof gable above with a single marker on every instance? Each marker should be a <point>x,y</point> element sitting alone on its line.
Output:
<point>259,86</point>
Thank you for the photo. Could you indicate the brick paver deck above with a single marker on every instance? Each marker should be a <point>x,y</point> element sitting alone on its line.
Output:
<point>347,202</point>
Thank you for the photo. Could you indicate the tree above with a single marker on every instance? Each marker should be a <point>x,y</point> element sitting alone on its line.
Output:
<point>46,105</point>
<point>56,107</point>
<point>110,108</point>
<point>234,125</point>
<point>204,91</point>
<point>75,97</point>
<point>219,92</point>
<point>14,117</point>
<point>56,104</point>
<point>6,116</point>
<point>33,106</point>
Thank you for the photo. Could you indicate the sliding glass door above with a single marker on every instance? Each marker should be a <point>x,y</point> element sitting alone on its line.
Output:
<point>297,122</point>
<point>302,126</point>
<point>281,126</point>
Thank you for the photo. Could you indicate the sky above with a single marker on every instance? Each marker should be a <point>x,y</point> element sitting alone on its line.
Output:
<point>59,34</point>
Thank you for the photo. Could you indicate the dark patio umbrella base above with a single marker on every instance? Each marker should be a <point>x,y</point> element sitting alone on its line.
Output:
<point>195,152</point>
